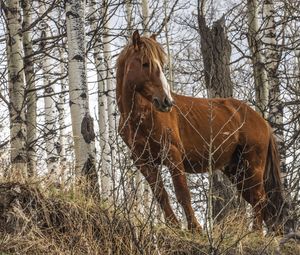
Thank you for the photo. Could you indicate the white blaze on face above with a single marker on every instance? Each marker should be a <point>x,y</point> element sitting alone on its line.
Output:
<point>164,82</point>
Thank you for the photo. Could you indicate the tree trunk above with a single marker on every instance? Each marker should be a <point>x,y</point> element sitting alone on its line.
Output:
<point>170,63</point>
<point>82,127</point>
<point>275,100</point>
<point>105,158</point>
<point>61,121</point>
<point>31,95</point>
<point>110,92</point>
<point>142,186</point>
<point>145,15</point>
<point>16,92</point>
<point>260,75</point>
<point>50,100</point>
<point>128,9</point>
<point>216,51</point>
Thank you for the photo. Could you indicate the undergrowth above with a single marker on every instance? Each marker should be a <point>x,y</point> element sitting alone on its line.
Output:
<point>36,220</point>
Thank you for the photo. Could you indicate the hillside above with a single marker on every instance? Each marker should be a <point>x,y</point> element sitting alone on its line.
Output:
<point>34,223</point>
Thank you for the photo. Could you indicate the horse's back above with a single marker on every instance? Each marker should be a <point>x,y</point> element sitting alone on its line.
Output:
<point>217,126</point>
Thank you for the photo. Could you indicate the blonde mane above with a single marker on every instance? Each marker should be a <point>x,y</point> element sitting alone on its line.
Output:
<point>149,49</point>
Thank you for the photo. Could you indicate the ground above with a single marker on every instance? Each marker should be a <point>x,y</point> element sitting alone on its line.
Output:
<point>35,220</point>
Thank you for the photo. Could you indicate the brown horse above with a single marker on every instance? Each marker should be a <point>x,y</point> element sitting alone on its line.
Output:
<point>191,135</point>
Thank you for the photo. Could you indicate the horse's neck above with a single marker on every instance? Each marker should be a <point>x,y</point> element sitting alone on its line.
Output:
<point>125,98</point>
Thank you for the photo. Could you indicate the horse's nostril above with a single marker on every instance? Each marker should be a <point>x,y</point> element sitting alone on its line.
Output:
<point>156,102</point>
<point>167,102</point>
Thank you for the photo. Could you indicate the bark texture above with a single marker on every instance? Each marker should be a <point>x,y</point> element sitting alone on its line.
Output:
<point>79,102</point>
<point>260,74</point>
<point>31,96</point>
<point>275,99</point>
<point>216,51</point>
<point>145,15</point>
<point>50,100</point>
<point>16,80</point>
<point>61,121</point>
<point>106,104</point>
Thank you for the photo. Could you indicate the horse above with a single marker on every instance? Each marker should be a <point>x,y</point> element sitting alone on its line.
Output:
<point>193,135</point>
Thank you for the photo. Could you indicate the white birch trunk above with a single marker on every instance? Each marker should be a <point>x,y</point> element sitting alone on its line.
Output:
<point>105,157</point>
<point>143,192</point>
<point>16,92</point>
<point>50,100</point>
<point>110,90</point>
<point>31,95</point>
<point>135,182</point>
<point>272,61</point>
<point>170,63</point>
<point>61,122</point>
<point>260,75</point>
<point>84,149</point>
<point>145,20</point>
<point>128,8</point>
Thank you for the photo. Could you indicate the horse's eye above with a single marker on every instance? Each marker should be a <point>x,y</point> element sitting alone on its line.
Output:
<point>146,65</point>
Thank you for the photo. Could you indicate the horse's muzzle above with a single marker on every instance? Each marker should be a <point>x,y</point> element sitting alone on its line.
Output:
<point>164,105</point>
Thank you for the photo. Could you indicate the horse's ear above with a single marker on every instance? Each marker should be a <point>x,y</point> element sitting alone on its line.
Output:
<point>136,39</point>
<point>153,36</point>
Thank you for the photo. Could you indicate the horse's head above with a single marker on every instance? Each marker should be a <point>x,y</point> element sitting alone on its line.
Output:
<point>143,62</point>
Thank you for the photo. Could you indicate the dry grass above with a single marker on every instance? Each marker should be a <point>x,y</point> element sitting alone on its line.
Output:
<point>32,222</point>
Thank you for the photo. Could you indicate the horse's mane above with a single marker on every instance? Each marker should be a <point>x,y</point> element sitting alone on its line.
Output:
<point>150,50</point>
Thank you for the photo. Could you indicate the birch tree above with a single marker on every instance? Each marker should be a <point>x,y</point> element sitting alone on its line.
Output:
<point>105,171</point>
<point>31,95</point>
<point>276,106</point>
<point>166,30</point>
<point>145,17</point>
<point>50,99</point>
<point>143,189</point>
<point>111,102</point>
<point>272,63</point>
<point>16,81</point>
<point>82,123</point>
<point>129,19</point>
<point>255,46</point>
<point>61,120</point>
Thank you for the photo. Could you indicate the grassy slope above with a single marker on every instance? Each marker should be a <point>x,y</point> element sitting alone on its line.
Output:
<point>52,222</point>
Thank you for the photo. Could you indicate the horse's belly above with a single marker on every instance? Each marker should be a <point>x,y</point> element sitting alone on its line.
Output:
<point>198,158</point>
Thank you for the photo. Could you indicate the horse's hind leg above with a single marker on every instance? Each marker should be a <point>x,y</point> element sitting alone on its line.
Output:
<point>153,177</point>
<point>175,165</point>
<point>254,194</point>
<point>250,184</point>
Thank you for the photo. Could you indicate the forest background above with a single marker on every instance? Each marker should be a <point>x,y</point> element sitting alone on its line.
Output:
<point>57,78</point>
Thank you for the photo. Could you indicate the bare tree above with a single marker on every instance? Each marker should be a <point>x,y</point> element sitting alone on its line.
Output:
<point>216,52</point>
<point>50,99</point>
<point>16,81</point>
<point>62,143</point>
<point>82,123</point>
<point>272,56</point>
<point>106,167</point>
<point>31,95</point>
<point>255,46</point>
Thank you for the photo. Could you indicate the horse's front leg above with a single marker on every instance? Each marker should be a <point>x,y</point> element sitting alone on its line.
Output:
<point>174,162</point>
<point>153,177</point>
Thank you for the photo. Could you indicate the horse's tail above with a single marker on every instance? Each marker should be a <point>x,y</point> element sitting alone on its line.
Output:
<point>276,208</point>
